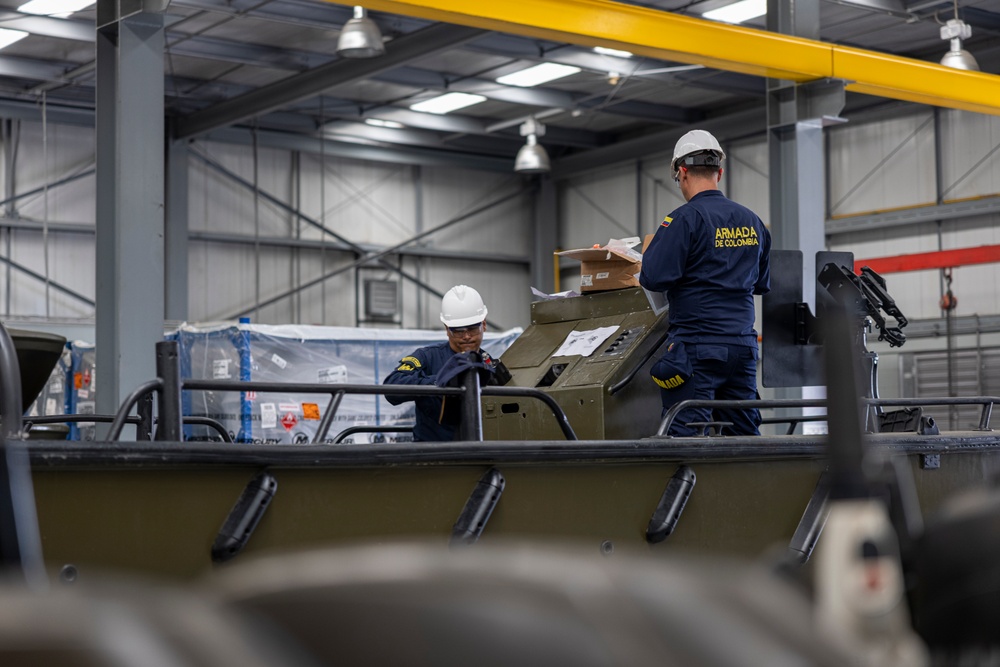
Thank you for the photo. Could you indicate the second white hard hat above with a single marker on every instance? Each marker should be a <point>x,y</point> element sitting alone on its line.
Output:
<point>462,306</point>
<point>695,141</point>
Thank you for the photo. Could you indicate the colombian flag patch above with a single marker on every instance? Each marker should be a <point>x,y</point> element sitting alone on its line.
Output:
<point>666,221</point>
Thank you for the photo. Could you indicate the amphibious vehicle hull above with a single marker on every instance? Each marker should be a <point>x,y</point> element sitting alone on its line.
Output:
<point>158,507</point>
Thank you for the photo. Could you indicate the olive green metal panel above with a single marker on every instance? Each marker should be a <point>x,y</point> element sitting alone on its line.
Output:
<point>737,508</point>
<point>163,521</point>
<point>957,472</point>
<point>528,419</point>
<point>746,508</point>
<point>530,357</point>
<point>533,377</point>
<point>587,306</point>
<point>160,521</point>
<point>592,411</point>
<point>635,411</point>
<point>535,345</point>
<point>591,373</point>
<point>629,338</point>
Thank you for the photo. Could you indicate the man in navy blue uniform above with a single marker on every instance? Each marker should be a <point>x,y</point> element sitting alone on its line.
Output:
<point>464,316</point>
<point>710,256</point>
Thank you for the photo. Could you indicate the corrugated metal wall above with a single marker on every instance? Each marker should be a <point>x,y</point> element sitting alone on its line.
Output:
<point>891,164</point>
<point>872,167</point>
<point>66,151</point>
<point>632,199</point>
<point>364,203</point>
<point>974,372</point>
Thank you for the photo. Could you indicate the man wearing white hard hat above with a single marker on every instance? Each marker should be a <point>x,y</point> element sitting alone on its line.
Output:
<point>710,256</point>
<point>463,314</point>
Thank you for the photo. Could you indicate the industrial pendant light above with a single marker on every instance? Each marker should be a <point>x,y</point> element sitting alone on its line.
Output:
<point>360,37</point>
<point>956,30</point>
<point>532,158</point>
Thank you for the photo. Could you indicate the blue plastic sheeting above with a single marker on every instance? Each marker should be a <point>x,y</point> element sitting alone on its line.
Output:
<point>81,383</point>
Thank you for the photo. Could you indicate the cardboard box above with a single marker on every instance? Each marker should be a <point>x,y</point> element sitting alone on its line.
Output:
<point>613,266</point>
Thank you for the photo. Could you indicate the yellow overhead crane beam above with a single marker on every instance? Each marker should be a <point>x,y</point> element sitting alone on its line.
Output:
<point>667,36</point>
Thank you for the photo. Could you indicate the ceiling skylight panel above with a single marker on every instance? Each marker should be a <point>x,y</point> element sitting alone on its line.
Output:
<point>447,103</point>
<point>57,8</point>
<point>738,12</point>
<point>537,75</point>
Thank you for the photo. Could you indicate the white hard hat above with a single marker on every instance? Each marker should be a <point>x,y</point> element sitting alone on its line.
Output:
<point>696,141</point>
<point>462,306</point>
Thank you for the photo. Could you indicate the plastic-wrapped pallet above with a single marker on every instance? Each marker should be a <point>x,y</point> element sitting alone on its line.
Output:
<point>54,397</point>
<point>301,354</point>
<point>82,394</point>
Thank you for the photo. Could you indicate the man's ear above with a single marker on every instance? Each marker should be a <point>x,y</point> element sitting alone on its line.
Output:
<point>720,175</point>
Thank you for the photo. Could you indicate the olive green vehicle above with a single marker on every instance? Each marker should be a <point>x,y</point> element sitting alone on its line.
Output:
<point>179,509</point>
<point>159,507</point>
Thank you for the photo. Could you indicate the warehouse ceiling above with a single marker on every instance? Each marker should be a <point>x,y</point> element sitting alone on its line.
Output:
<point>271,65</point>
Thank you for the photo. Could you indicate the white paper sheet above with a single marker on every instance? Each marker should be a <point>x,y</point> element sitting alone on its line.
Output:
<point>584,342</point>
<point>538,294</point>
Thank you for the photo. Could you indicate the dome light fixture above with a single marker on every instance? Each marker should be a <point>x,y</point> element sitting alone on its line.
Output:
<point>360,37</point>
<point>532,158</point>
<point>956,30</point>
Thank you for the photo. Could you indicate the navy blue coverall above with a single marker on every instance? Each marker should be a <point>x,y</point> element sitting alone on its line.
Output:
<point>710,256</point>
<point>422,367</point>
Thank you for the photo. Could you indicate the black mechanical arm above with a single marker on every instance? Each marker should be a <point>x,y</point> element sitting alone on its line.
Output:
<point>868,294</point>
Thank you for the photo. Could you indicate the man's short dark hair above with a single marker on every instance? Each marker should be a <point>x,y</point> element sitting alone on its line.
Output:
<point>703,171</point>
<point>703,164</point>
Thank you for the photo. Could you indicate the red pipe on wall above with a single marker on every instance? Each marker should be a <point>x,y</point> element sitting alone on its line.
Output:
<point>941,259</point>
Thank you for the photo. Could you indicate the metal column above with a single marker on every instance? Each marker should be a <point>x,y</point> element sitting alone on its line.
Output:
<point>11,140</point>
<point>175,233</point>
<point>796,116</point>
<point>130,185</point>
<point>546,235</point>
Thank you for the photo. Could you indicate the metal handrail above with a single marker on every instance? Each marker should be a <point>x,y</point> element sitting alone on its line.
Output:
<point>380,389</point>
<point>331,410</point>
<point>336,393</point>
<point>10,388</point>
<point>747,404</point>
<point>170,387</point>
<point>793,421</point>
<point>306,388</point>
<point>351,430</point>
<point>133,420</point>
<point>212,424</point>
<point>984,419</point>
<point>75,419</point>
<point>126,407</point>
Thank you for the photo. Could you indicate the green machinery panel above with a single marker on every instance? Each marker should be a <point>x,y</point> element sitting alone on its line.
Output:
<point>582,384</point>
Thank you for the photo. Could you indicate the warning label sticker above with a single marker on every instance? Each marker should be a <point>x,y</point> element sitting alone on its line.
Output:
<point>268,415</point>
<point>310,411</point>
<point>333,375</point>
